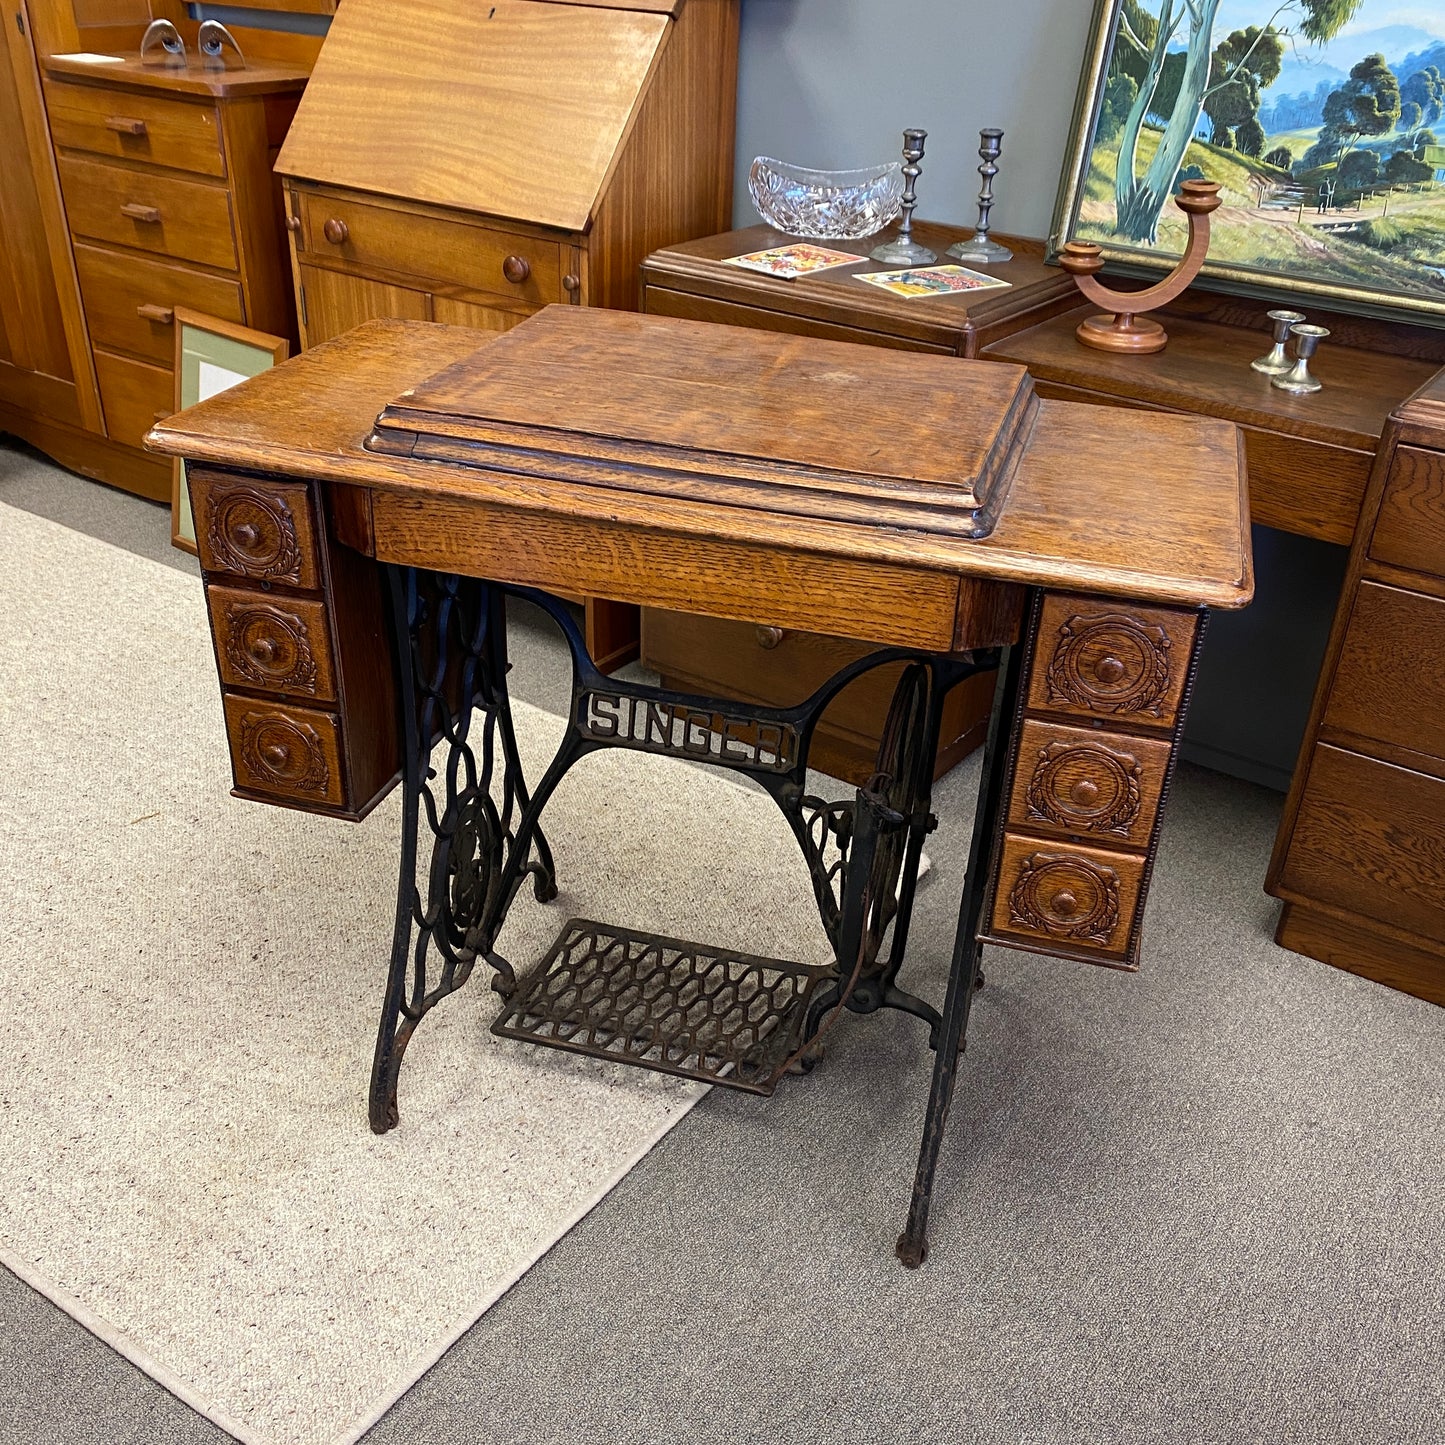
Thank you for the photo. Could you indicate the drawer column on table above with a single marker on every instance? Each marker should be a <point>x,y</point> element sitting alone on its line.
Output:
<point>301,646</point>
<point>1104,696</point>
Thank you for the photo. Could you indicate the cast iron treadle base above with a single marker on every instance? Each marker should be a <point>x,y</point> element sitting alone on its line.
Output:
<point>675,1007</point>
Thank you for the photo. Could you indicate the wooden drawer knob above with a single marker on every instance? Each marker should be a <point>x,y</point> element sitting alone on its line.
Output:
<point>276,754</point>
<point>769,637</point>
<point>336,231</point>
<point>1065,904</point>
<point>1085,791</point>
<point>516,269</point>
<point>293,223</point>
<point>147,215</point>
<point>246,535</point>
<point>1109,670</point>
<point>572,282</point>
<point>161,315</point>
<point>263,649</point>
<point>125,125</point>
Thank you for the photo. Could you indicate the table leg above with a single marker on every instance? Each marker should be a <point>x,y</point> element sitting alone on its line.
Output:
<point>912,1246</point>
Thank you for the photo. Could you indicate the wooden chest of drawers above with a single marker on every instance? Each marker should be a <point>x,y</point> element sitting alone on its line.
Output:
<point>170,201</point>
<point>1105,694</point>
<point>1360,857</point>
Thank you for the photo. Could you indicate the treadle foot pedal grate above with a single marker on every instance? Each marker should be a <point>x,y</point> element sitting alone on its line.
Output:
<point>679,1008</point>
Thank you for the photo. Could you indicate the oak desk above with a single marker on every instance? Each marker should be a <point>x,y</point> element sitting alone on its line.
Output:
<point>362,510</point>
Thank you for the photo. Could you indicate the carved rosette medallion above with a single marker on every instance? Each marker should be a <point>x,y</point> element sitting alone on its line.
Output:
<point>1066,897</point>
<point>284,753</point>
<point>1085,788</point>
<point>254,533</point>
<point>1110,662</point>
<point>269,646</point>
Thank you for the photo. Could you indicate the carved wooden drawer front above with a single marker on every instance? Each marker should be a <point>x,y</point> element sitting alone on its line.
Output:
<point>264,530</point>
<point>1067,899</point>
<point>276,644</point>
<point>1076,781</point>
<point>1410,530</point>
<point>1112,661</point>
<point>285,752</point>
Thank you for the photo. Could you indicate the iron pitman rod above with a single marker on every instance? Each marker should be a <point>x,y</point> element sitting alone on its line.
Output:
<point>463,779</point>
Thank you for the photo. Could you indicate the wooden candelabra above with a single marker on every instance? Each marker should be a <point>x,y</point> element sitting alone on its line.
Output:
<point>1124,328</point>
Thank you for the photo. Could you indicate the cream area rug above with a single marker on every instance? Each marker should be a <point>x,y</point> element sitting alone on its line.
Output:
<point>191,986</point>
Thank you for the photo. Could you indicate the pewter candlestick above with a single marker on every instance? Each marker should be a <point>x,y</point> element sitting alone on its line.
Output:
<point>1278,361</point>
<point>903,250</point>
<point>981,249</point>
<point>1297,380</point>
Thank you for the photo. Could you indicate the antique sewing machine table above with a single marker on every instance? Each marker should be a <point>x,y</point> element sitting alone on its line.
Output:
<point>363,511</point>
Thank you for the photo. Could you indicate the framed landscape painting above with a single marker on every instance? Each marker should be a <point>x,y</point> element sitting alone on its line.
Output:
<point>1323,121</point>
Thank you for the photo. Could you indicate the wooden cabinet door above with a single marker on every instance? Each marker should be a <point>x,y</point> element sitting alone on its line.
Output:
<point>42,337</point>
<point>334,301</point>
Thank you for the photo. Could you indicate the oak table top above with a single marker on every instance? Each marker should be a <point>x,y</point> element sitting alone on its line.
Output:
<point>1119,503</point>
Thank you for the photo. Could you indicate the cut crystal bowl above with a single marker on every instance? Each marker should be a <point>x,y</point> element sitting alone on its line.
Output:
<point>826,205</point>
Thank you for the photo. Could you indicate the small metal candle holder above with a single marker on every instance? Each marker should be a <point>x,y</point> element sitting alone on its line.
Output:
<point>903,250</point>
<point>1278,361</point>
<point>981,249</point>
<point>1297,380</point>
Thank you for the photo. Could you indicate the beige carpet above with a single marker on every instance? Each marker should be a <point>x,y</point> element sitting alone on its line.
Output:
<point>191,987</point>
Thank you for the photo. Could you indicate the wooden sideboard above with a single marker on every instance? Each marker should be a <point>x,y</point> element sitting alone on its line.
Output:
<point>1359,859</point>
<point>691,281</point>
<point>1360,856</point>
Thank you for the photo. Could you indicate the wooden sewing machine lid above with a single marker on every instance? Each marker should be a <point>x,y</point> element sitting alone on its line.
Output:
<point>756,419</point>
<point>512,108</point>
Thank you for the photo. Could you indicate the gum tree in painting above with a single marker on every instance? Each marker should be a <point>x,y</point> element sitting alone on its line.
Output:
<point>1139,199</point>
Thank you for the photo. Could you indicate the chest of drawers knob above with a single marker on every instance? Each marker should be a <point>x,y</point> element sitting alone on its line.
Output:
<point>146,215</point>
<point>769,637</point>
<point>336,231</point>
<point>125,125</point>
<point>572,283</point>
<point>1109,671</point>
<point>161,315</point>
<point>516,269</point>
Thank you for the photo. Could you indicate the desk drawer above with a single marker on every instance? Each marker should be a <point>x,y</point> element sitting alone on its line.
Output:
<point>271,643</point>
<point>1410,530</point>
<point>133,396</point>
<point>1063,900</point>
<point>128,300</point>
<point>1389,685</point>
<point>289,753</point>
<point>1112,661</point>
<point>436,250</point>
<point>148,211</point>
<point>1370,839</point>
<point>256,528</point>
<point>1075,782</point>
<point>126,125</point>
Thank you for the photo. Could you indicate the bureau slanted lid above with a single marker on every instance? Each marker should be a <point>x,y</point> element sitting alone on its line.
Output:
<point>688,410</point>
<point>509,108</point>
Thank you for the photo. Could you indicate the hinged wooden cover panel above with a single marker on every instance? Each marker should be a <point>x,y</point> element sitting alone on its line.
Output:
<point>741,417</point>
<point>511,108</point>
